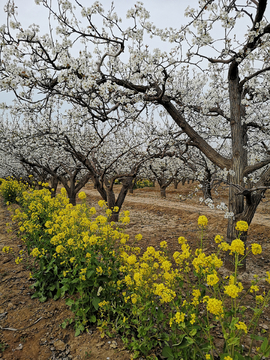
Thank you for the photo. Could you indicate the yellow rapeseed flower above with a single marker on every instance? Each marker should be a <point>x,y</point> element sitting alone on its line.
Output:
<point>218,239</point>
<point>212,279</point>
<point>256,249</point>
<point>125,220</point>
<point>71,242</point>
<point>242,326</point>
<point>224,246</point>
<point>99,270</point>
<point>182,240</point>
<point>228,358</point>
<point>215,307</point>
<point>131,259</point>
<point>82,195</point>
<point>92,211</point>
<point>254,288</point>
<point>164,244</point>
<point>108,212</point>
<point>237,246</point>
<point>268,278</point>
<point>63,191</point>
<point>233,290</point>
<point>241,226</point>
<point>7,249</point>
<point>60,249</point>
<point>196,295</point>
<point>138,237</point>
<point>202,221</point>
<point>102,203</point>
<point>18,260</point>
<point>259,298</point>
<point>179,317</point>
<point>35,252</point>
<point>193,317</point>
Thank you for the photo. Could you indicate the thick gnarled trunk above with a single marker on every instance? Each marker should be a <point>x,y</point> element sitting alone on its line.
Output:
<point>239,158</point>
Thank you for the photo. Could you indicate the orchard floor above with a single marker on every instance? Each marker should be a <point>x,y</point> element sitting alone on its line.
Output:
<point>30,330</point>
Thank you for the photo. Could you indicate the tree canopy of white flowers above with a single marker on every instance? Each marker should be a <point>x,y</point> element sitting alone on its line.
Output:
<point>214,87</point>
<point>53,148</point>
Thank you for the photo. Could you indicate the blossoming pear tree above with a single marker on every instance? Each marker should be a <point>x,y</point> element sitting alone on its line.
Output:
<point>29,148</point>
<point>214,80</point>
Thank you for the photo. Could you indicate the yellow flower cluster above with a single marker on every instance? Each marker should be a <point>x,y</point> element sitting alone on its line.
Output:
<point>242,226</point>
<point>166,294</point>
<point>237,246</point>
<point>218,239</point>
<point>233,290</point>
<point>7,249</point>
<point>205,264</point>
<point>196,296</point>
<point>178,318</point>
<point>256,249</point>
<point>202,221</point>
<point>35,252</point>
<point>212,279</point>
<point>214,306</point>
<point>82,195</point>
<point>242,326</point>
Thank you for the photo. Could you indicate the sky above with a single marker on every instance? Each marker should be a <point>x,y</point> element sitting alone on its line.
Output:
<point>163,13</point>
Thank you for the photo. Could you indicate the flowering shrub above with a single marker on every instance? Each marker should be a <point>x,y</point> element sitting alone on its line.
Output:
<point>11,190</point>
<point>143,183</point>
<point>155,301</point>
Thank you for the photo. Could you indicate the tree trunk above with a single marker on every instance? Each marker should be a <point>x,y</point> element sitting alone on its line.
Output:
<point>163,192</point>
<point>131,188</point>
<point>206,189</point>
<point>175,183</point>
<point>54,183</point>
<point>206,184</point>
<point>112,203</point>
<point>239,158</point>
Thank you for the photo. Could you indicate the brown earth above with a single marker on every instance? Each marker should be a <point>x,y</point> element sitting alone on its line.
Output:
<point>31,330</point>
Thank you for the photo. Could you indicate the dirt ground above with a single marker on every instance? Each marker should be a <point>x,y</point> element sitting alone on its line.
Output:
<point>30,330</point>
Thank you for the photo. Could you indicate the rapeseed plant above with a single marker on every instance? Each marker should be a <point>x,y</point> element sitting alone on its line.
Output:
<point>153,300</point>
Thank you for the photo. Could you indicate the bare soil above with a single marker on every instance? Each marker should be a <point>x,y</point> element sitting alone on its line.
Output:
<point>31,330</point>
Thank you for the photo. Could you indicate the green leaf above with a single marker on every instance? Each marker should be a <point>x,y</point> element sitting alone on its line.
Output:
<point>89,273</point>
<point>55,268</point>
<point>190,340</point>
<point>266,354</point>
<point>167,353</point>
<point>193,332</point>
<point>43,298</point>
<point>233,341</point>
<point>57,295</point>
<point>264,345</point>
<point>95,302</point>
<point>52,287</point>
<point>257,337</point>
<point>233,322</point>
<point>77,332</point>
<point>239,356</point>
<point>69,302</point>
<point>64,324</point>
<point>92,319</point>
<point>180,339</point>
<point>79,329</point>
